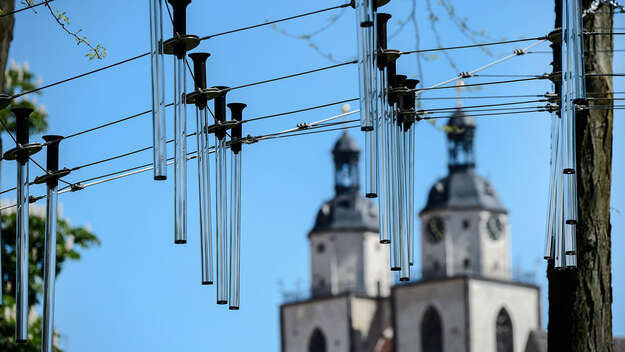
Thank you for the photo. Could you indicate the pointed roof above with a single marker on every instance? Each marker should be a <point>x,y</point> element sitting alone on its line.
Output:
<point>346,144</point>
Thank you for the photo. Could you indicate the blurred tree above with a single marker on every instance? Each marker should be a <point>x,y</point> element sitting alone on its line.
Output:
<point>69,241</point>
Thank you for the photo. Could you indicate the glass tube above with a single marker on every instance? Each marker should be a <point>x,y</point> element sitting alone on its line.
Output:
<point>411,211</point>
<point>49,270</point>
<point>384,182</point>
<point>553,195</point>
<point>204,198</point>
<point>371,163</point>
<point>208,244</point>
<point>22,251</point>
<point>395,207</point>
<point>235,232</point>
<point>158,90</point>
<point>221,216</point>
<point>559,260</point>
<point>404,257</point>
<point>180,176</point>
<point>364,25</point>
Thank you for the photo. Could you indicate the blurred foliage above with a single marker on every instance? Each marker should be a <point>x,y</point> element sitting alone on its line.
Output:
<point>18,79</point>
<point>70,240</point>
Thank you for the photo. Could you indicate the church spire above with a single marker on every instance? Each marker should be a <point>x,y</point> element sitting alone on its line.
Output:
<point>460,133</point>
<point>347,173</point>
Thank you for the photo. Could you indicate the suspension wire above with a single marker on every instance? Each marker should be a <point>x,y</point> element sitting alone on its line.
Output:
<point>80,75</point>
<point>111,123</point>
<point>418,90</point>
<point>473,45</point>
<point>547,74</point>
<point>488,114</point>
<point>293,75</point>
<point>301,126</point>
<point>518,96</point>
<point>275,21</point>
<point>486,97</point>
<point>299,110</point>
<point>490,105</point>
<point>25,8</point>
<point>515,53</point>
<point>427,112</point>
<point>588,51</point>
<point>318,128</point>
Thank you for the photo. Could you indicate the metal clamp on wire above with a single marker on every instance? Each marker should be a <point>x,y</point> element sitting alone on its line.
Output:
<point>555,36</point>
<point>218,125</point>
<point>552,97</point>
<point>465,75</point>
<point>206,93</point>
<point>51,176</point>
<point>249,139</point>
<point>519,52</point>
<point>22,150</point>
<point>74,187</point>
<point>555,77</point>
<point>552,107</point>
<point>303,125</point>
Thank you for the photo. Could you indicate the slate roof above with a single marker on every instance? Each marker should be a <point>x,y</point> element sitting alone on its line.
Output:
<point>463,188</point>
<point>348,212</point>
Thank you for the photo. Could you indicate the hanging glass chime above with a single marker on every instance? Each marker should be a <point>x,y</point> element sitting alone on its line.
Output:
<point>367,88</point>
<point>200,99</point>
<point>178,46</point>
<point>408,114</point>
<point>562,210</point>
<point>21,154</point>
<point>158,90</point>
<point>51,179</point>
<point>381,126</point>
<point>221,196</point>
<point>236,111</point>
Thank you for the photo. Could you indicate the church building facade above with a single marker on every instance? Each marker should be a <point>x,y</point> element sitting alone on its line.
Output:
<point>465,301</point>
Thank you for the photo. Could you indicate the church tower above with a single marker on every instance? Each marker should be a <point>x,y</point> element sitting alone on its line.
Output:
<point>464,225</point>
<point>466,301</point>
<point>348,307</point>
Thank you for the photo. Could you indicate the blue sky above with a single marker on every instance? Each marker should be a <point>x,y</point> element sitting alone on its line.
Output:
<point>140,292</point>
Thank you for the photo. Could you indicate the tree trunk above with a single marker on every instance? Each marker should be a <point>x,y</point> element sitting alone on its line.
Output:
<point>580,301</point>
<point>6,35</point>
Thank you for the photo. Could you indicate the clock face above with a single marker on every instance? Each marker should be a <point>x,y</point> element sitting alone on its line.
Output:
<point>435,229</point>
<point>494,227</point>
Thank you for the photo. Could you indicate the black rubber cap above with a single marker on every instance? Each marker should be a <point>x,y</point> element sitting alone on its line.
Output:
<point>236,111</point>
<point>220,111</point>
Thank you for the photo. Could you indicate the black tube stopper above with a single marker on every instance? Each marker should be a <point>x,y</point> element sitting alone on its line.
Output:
<point>180,16</point>
<point>409,100</point>
<point>220,111</point>
<point>22,125</point>
<point>236,111</point>
<point>391,69</point>
<point>199,75</point>
<point>382,20</point>
<point>52,151</point>
<point>180,25</point>
<point>399,82</point>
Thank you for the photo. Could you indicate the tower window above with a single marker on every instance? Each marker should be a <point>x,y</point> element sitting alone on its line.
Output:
<point>504,332</point>
<point>465,224</point>
<point>431,331</point>
<point>317,342</point>
<point>321,248</point>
